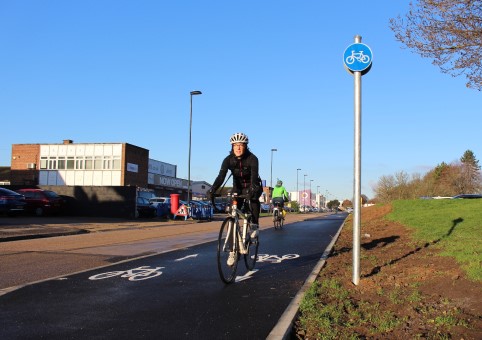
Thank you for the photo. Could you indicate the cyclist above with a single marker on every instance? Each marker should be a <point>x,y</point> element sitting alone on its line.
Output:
<point>280,196</point>
<point>244,167</point>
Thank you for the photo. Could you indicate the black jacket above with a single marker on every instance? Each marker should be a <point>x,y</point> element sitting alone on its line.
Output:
<point>245,172</point>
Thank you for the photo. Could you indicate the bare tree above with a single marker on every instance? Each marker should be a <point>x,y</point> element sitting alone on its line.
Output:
<point>447,31</point>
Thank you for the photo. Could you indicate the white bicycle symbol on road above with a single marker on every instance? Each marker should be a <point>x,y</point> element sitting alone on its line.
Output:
<point>365,59</point>
<point>135,274</point>
<point>276,258</point>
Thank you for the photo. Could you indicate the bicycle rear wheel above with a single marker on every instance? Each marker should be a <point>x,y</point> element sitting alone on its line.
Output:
<point>226,245</point>
<point>252,256</point>
<point>276,219</point>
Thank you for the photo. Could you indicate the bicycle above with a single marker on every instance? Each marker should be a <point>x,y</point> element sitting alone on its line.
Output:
<point>235,239</point>
<point>278,219</point>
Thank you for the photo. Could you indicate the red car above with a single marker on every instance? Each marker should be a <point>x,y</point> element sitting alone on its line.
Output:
<point>42,202</point>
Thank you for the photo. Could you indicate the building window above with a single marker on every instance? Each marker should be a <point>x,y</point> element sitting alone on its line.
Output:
<point>88,163</point>
<point>43,162</point>
<point>107,163</point>
<point>70,163</point>
<point>61,163</point>
<point>116,163</point>
<point>52,163</point>
<point>98,163</point>
<point>79,163</point>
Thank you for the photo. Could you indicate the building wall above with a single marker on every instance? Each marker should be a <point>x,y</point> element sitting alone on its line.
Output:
<point>112,164</point>
<point>135,166</point>
<point>199,189</point>
<point>24,164</point>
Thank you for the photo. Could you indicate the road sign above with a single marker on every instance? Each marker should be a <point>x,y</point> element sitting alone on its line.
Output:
<point>357,57</point>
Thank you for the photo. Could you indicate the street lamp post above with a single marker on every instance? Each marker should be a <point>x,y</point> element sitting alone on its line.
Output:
<point>193,93</point>
<point>271,178</point>
<point>297,191</point>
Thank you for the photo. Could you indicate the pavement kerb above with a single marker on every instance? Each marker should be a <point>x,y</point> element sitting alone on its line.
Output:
<point>66,229</point>
<point>283,328</point>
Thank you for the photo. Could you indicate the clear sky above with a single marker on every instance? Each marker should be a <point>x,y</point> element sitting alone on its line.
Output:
<point>121,71</point>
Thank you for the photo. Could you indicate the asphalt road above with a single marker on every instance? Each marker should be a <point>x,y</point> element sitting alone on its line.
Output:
<point>183,298</point>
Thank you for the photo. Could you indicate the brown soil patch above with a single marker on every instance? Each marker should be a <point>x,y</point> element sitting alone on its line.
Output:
<point>393,268</point>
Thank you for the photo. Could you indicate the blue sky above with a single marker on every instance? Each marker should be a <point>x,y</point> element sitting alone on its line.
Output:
<point>121,71</point>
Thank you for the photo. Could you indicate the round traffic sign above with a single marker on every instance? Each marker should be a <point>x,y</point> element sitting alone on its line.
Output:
<point>357,57</point>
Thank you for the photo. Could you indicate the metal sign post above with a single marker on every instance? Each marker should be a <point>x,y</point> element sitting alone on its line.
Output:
<point>357,60</point>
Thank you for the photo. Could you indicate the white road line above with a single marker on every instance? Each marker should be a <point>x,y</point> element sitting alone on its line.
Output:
<point>245,276</point>
<point>186,257</point>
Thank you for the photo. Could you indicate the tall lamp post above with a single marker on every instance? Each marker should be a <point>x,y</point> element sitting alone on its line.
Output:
<point>271,178</point>
<point>297,191</point>
<point>193,93</point>
<point>304,189</point>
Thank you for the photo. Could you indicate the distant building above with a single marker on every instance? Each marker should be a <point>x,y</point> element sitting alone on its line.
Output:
<point>94,164</point>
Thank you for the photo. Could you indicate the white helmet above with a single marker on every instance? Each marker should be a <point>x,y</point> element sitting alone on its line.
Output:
<point>239,137</point>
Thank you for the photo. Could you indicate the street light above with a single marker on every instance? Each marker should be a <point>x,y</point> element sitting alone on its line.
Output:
<point>297,191</point>
<point>271,183</point>
<point>271,179</point>
<point>193,93</point>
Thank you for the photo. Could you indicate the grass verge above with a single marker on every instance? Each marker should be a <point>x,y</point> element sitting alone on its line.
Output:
<point>452,225</point>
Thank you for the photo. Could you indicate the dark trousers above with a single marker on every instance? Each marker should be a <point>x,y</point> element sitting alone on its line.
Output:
<point>254,206</point>
<point>255,209</point>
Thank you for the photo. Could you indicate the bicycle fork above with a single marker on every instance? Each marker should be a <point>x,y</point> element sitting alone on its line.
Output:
<point>236,237</point>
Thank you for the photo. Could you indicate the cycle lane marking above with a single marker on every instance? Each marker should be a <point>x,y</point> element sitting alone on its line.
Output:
<point>246,276</point>
<point>186,257</point>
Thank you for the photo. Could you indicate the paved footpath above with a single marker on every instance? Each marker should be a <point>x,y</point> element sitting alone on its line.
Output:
<point>34,249</point>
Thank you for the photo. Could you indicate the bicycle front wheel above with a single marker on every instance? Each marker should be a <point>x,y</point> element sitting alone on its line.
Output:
<point>227,247</point>
<point>252,255</point>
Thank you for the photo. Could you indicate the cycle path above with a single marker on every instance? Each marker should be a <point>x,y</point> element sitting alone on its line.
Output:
<point>187,300</point>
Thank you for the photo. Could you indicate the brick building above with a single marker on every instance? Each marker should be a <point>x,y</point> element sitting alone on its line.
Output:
<point>84,164</point>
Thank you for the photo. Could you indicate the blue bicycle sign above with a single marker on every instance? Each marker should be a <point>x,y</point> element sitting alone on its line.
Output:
<point>357,57</point>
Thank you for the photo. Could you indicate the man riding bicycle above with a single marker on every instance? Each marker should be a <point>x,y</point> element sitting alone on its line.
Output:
<point>280,196</point>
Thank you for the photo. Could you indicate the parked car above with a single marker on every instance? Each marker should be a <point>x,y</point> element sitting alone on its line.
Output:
<point>162,205</point>
<point>468,196</point>
<point>155,200</point>
<point>265,208</point>
<point>11,202</point>
<point>220,207</point>
<point>42,202</point>
<point>144,208</point>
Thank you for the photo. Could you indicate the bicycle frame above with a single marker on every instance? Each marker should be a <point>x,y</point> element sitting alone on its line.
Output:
<point>238,214</point>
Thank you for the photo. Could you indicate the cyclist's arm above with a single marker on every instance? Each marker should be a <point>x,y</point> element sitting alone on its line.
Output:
<point>254,171</point>
<point>286,195</point>
<point>222,174</point>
